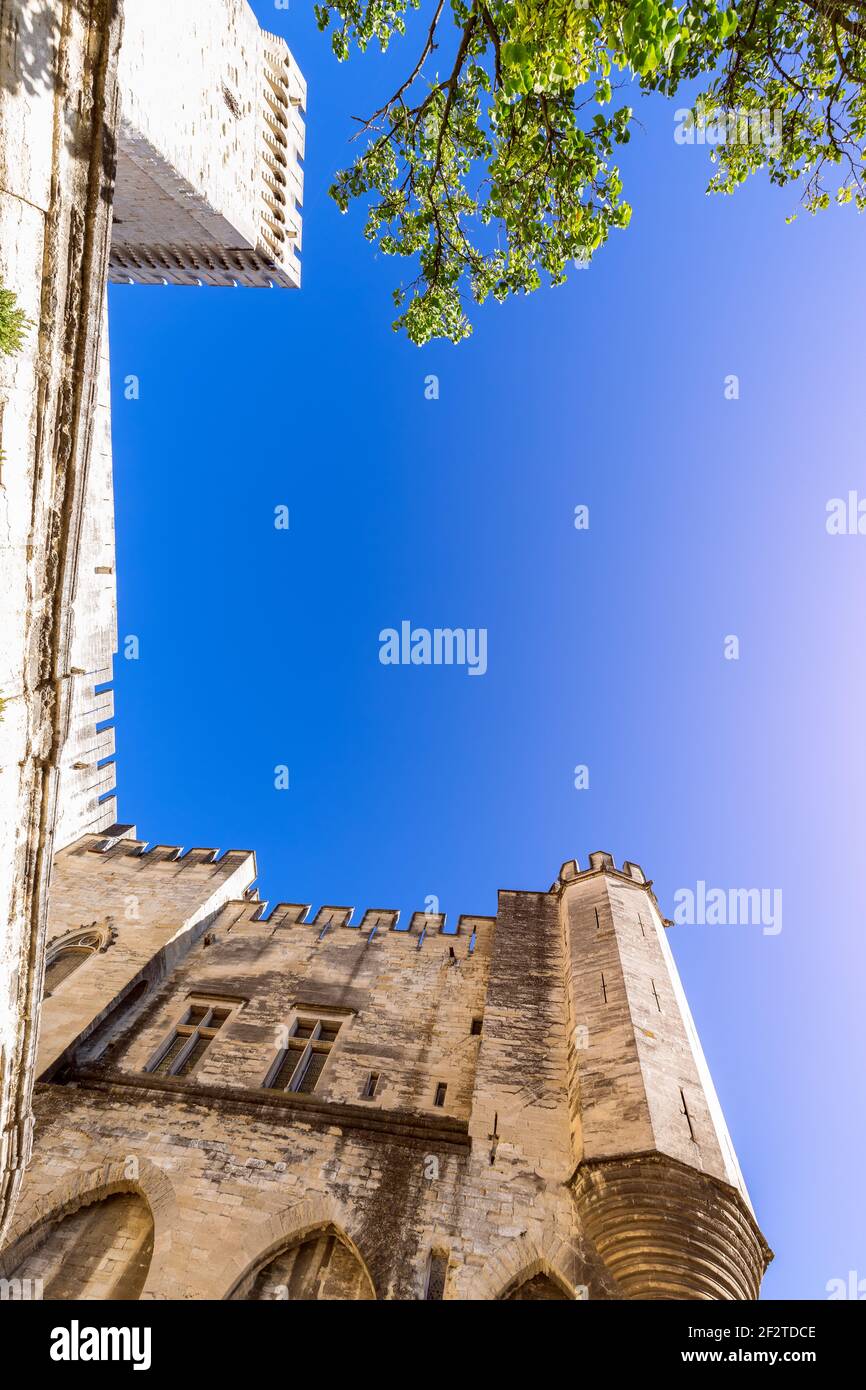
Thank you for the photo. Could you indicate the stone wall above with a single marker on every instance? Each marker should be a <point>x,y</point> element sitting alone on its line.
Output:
<point>58,64</point>
<point>85,800</point>
<point>210,188</point>
<point>525,1179</point>
<point>148,909</point>
<point>247,1180</point>
<point>405,1013</point>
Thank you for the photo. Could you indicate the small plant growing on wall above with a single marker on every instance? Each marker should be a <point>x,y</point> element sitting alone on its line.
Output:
<point>14,324</point>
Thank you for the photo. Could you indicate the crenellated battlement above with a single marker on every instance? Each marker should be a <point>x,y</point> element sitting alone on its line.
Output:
<point>600,862</point>
<point>249,912</point>
<point>120,843</point>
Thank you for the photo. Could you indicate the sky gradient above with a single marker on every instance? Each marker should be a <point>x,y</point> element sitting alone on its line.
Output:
<point>259,647</point>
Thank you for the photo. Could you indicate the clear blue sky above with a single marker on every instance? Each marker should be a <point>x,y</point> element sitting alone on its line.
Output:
<point>707,518</point>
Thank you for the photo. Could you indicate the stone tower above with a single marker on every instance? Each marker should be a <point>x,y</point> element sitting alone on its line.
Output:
<point>654,1153</point>
<point>210,143</point>
<point>236,1103</point>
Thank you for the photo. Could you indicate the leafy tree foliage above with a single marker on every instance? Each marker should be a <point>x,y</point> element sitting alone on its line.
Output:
<point>14,324</point>
<point>493,164</point>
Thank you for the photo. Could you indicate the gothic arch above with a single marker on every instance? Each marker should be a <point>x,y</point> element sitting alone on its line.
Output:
<point>538,1274</point>
<point>519,1260</point>
<point>65,953</point>
<point>101,934</point>
<point>33,1225</point>
<point>269,1238</point>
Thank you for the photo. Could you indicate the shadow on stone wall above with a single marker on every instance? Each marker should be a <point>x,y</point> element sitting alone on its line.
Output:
<point>32,33</point>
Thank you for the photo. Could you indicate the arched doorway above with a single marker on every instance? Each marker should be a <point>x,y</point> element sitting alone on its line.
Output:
<point>320,1265</point>
<point>101,1251</point>
<point>536,1288</point>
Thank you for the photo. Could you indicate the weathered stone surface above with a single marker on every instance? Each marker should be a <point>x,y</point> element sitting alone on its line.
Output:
<point>57,116</point>
<point>553,1167</point>
<point>208,191</point>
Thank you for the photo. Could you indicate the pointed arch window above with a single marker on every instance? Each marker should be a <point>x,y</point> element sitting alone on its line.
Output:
<point>65,956</point>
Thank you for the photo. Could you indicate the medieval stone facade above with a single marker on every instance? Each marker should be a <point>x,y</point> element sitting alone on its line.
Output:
<point>147,143</point>
<point>235,1103</point>
<point>58,113</point>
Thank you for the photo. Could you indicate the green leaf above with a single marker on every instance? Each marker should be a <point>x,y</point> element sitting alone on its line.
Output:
<point>492,166</point>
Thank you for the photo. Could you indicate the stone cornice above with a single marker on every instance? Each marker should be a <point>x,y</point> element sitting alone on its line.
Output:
<point>271,1105</point>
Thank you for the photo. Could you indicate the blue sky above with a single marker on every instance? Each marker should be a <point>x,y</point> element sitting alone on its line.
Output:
<point>259,647</point>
